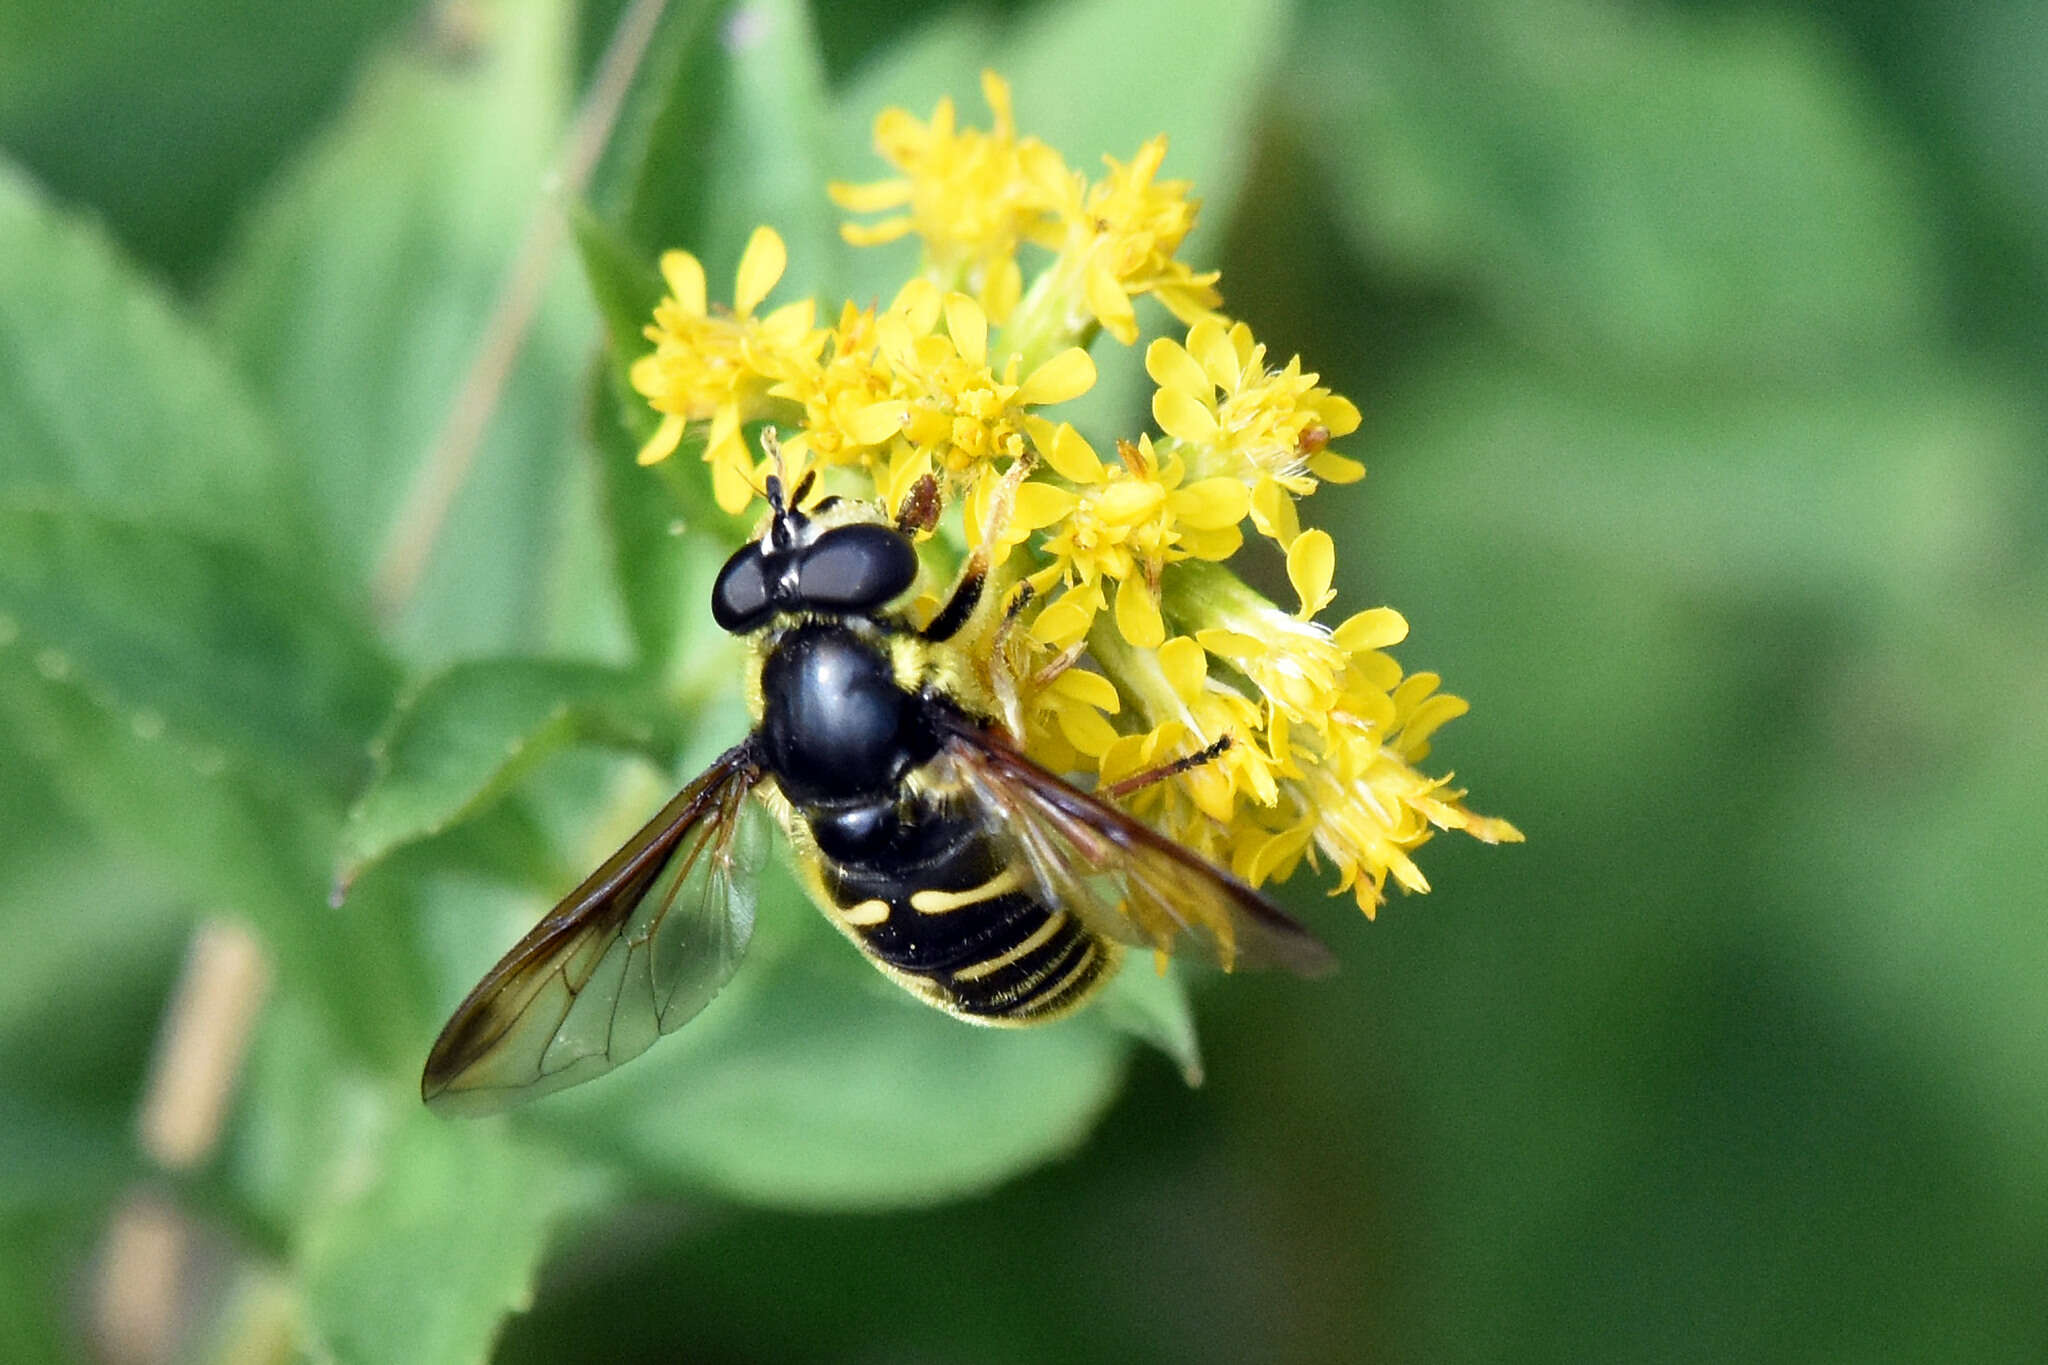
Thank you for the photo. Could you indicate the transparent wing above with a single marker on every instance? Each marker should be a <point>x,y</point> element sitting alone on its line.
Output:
<point>1125,880</point>
<point>631,954</point>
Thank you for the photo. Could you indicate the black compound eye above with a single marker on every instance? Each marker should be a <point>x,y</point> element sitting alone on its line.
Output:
<point>856,568</point>
<point>740,600</point>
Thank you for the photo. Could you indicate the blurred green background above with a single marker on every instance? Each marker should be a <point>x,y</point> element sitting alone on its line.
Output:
<point>1700,350</point>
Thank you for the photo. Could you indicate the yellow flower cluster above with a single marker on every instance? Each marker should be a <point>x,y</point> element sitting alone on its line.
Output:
<point>1138,645</point>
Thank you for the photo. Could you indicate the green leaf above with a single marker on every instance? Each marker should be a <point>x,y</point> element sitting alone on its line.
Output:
<point>466,735</point>
<point>243,81</point>
<point>435,1238</point>
<point>725,130</point>
<point>171,659</point>
<point>1705,190</point>
<point>54,1160</point>
<point>648,511</point>
<point>1152,1006</point>
<point>813,1083</point>
<point>37,1261</point>
<point>219,830</point>
<point>93,945</point>
<point>715,139</point>
<point>665,534</point>
<point>108,395</point>
<point>193,636</point>
<point>772,158</point>
<point>624,282</point>
<point>650,183</point>
<point>360,295</point>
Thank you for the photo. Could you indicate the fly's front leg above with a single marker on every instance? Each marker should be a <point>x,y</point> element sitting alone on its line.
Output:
<point>974,574</point>
<point>966,598</point>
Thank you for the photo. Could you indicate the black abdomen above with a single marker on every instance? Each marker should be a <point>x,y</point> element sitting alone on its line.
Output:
<point>970,931</point>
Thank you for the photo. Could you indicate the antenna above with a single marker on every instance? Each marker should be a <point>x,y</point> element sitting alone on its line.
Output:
<point>780,534</point>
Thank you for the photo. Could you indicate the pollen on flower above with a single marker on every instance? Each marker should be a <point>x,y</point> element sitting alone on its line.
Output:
<point>1130,642</point>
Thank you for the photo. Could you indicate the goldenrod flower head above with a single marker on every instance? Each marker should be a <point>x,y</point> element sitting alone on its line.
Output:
<point>711,364</point>
<point>972,196</point>
<point>1125,523</point>
<point>1131,642</point>
<point>1231,415</point>
<point>1122,233</point>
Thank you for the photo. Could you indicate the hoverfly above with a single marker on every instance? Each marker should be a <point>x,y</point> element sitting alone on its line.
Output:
<point>977,880</point>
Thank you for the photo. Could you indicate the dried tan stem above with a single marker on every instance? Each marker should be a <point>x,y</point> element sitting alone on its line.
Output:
<point>448,461</point>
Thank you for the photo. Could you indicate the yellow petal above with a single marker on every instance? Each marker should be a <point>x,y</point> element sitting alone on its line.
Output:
<point>1085,728</point>
<point>1277,853</point>
<point>1413,690</point>
<point>1171,367</point>
<point>1331,467</point>
<point>1088,687</point>
<point>1067,375</point>
<point>1179,414</point>
<point>1311,563</point>
<point>1273,513</point>
<point>1070,455</point>
<point>876,234</point>
<point>648,374</point>
<point>1040,504</point>
<point>1212,504</point>
<point>1190,298</point>
<point>928,426</point>
<point>1210,344</point>
<point>761,265</point>
<point>1123,759</point>
<point>870,198</point>
<point>895,340</point>
<point>1186,665</point>
<point>723,442</point>
<point>1378,670</point>
<point>684,275</point>
<point>730,487</point>
<point>1375,628</point>
<point>1492,829</point>
<point>877,422</point>
<point>788,323</point>
<point>1340,415</point>
<point>1428,716</point>
<point>1230,644</point>
<point>663,443</point>
<point>1405,872</point>
<point>1004,287</point>
<point>1128,501</point>
<point>968,326</point>
<point>928,353</point>
<point>1064,620</point>
<point>1214,796</point>
<point>996,92</point>
<point>918,303</point>
<point>1276,737</point>
<point>1111,306</point>
<point>1137,615</point>
<point>796,456</point>
<point>1218,544</point>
